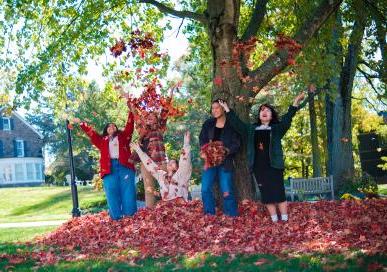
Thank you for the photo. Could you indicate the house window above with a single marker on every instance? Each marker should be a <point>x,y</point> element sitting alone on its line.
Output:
<point>6,123</point>
<point>30,171</point>
<point>19,148</point>
<point>19,172</point>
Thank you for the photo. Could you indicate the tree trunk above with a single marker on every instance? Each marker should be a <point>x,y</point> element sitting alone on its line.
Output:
<point>316,155</point>
<point>338,108</point>
<point>223,19</point>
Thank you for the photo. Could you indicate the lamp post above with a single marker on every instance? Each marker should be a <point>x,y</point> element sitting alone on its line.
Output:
<point>74,192</point>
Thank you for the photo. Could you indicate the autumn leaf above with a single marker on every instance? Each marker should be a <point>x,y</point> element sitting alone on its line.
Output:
<point>218,81</point>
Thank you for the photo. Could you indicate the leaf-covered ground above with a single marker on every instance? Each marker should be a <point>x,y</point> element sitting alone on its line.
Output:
<point>173,229</point>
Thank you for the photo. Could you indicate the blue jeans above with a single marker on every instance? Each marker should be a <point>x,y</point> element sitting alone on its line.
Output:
<point>120,190</point>
<point>230,207</point>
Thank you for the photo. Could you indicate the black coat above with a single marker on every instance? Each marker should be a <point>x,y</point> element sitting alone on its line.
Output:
<point>229,137</point>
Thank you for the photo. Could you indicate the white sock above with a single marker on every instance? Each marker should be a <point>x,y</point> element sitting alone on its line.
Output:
<point>284,217</point>
<point>274,218</point>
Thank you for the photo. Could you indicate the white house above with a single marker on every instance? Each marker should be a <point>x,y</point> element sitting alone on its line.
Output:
<point>21,152</point>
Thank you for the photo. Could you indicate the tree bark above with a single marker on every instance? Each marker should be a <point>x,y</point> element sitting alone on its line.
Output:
<point>316,155</point>
<point>338,107</point>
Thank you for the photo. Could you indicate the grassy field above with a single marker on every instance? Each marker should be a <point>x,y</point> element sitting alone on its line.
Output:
<point>27,204</point>
<point>13,235</point>
<point>382,189</point>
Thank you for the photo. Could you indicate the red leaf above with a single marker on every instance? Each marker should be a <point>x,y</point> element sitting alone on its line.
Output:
<point>218,81</point>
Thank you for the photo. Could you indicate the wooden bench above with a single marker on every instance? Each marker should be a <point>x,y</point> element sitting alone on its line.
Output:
<point>311,186</point>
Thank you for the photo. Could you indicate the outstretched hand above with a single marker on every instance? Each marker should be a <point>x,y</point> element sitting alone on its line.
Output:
<point>224,105</point>
<point>298,99</point>
<point>311,88</point>
<point>187,137</point>
<point>130,106</point>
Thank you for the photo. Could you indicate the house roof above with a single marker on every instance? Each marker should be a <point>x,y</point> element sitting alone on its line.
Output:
<point>29,125</point>
<point>26,123</point>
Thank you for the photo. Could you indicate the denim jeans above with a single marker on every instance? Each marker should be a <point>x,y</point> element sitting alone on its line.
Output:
<point>120,190</point>
<point>230,207</point>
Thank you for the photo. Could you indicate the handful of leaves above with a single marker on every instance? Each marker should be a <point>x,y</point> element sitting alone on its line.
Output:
<point>213,154</point>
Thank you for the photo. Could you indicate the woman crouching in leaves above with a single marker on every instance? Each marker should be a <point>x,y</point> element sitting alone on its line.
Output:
<point>173,182</point>
<point>264,151</point>
<point>115,170</point>
<point>219,143</point>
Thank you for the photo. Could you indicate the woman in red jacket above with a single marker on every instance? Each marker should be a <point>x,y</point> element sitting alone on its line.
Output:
<point>115,169</point>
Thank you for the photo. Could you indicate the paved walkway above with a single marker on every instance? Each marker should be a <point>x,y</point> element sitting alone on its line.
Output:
<point>31,224</point>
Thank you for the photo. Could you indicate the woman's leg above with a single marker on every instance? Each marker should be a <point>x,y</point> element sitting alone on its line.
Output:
<point>283,207</point>
<point>208,178</point>
<point>229,203</point>
<point>149,187</point>
<point>112,191</point>
<point>272,211</point>
<point>128,191</point>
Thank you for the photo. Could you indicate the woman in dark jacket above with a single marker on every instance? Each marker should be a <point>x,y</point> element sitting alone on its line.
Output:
<point>264,151</point>
<point>218,128</point>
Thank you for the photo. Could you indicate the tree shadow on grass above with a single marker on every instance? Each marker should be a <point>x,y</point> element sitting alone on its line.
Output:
<point>47,202</point>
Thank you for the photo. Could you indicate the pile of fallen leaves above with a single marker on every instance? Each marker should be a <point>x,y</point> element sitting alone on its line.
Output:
<point>173,228</point>
<point>213,153</point>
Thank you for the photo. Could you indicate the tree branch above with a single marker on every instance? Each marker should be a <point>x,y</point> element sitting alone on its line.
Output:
<point>278,61</point>
<point>255,20</point>
<point>177,13</point>
<point>369,80</point>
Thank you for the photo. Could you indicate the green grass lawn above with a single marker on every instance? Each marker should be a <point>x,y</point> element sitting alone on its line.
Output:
<point>27,204</point>
<point>353,261</point>
<point>382,189</point>
<point>12,235</point>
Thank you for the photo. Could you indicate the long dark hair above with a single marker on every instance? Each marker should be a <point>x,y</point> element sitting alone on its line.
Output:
<point>274,114</point>
<point>105,133</point>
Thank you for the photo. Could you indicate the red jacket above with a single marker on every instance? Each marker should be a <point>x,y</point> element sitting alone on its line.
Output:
<point>102,143</point>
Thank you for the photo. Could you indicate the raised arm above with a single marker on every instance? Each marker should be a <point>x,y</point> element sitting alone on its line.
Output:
<point>183,174</point>
<point>237,124</point>
<point>95,138</point>
<point>129,127</point>
<point>286,119</point>
<point>150,165</point>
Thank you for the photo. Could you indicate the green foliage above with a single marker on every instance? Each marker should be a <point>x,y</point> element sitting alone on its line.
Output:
<point>383,165</point>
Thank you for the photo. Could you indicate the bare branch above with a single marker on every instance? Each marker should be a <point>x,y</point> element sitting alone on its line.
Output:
<point>369,102</point>
<point>255,20</point>
<point>177,13</point>
<point>278,61</point>
<point>369,80</point>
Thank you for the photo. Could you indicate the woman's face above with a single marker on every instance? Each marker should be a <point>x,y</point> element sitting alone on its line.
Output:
<point>265,115</point>
<point>111,129</point>
<point>151,119</point>
<point>217,110</point>
<point>172,166</point>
